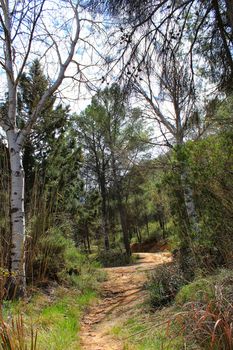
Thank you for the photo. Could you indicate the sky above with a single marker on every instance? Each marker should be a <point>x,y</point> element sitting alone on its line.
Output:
<point>98,39</point>
<point>51,43</point>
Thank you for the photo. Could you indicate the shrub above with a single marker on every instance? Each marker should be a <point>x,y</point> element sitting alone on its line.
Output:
<point>207,315</point>
<point>56,258</point>
<point>204,289</point>
<point>113,258</point>
<point>199,290</point>
<point>49,259</point>
<point>86,277</point>
<point>4,275</point>
<point>209,325</point>
<point>164,284</point>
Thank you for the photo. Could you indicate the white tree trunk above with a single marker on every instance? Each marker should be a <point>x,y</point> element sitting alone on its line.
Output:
<point>186,188</point>
<point>17,213</point>
<point>189,203</point>
<point>14,60</point>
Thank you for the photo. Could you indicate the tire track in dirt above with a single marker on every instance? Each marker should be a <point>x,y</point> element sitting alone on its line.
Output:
<point>123,290</point>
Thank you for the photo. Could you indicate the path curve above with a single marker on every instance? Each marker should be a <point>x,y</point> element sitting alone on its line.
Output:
<point>122,291</point>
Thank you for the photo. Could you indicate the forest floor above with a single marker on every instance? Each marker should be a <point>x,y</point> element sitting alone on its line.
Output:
<point>122,294</point>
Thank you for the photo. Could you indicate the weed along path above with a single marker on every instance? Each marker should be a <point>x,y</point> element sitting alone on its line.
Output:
<point>121,293</point>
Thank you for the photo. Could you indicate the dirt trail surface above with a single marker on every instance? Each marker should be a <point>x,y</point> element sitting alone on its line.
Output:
<point>123,290</point>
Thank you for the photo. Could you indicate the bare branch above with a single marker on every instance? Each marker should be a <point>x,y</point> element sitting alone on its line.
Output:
<point>58,81</point>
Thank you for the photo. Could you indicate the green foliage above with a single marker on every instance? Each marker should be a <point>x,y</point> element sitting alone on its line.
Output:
<point>57,258</point>
<point>113,258</point>
<point>51,156</point>
<point>112,134</point>
<point>72,257</point>
<point>87,219</point>
<point>208,163</point>
<point>200,290</point>
<point>164,284</point>
<point>204,289</point>
<point>49,259</point>
<point>86,276</point>
<point>211,176</point>
<point>52,161</point>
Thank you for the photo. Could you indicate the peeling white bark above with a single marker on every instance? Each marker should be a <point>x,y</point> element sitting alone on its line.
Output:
<point>17,210</point>
<point>16,137</point>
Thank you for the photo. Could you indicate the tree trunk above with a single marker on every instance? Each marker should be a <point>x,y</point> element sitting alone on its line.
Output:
<point>190,214</point>
<point>190,226</point>
<point>17,285</point>
<point>147,226</point>
<point>88,239</point>
<point>188,218</point>
<point>124,227</point>
<point>189,203</point>
<point>220,22</point>
<point>186,258</point>
<point>139,236</point>
<point>104,215</point>
<point>120,205</point>
<point>161,218</point>
<point>105,234</point>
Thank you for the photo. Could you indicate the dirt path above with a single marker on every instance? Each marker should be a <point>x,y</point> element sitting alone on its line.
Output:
<point>123,290</point>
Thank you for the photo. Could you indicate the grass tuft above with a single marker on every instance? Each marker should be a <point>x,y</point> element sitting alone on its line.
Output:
<point>55,317</point>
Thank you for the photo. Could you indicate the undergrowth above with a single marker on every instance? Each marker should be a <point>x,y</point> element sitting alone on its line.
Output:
<point>13,335</point>
<point>114,258</point>
<point>201,316</point>
<point>164,283</point>
<point>207,317</point>
<point>53,318</point>
<point>147,331</point>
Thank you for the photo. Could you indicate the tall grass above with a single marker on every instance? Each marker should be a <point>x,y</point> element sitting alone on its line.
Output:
<point>15,335</point>
<point>207,317</point>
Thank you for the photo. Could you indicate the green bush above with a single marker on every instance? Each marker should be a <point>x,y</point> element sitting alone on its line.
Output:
<point>54,257</point>
<point>49,255</point>
<point>57,258</point>
<point>86,277</point>
<point>73,258</point>
<point>204,290</point>
<point>113,258</point>
<point>199,290</point>
<point>164,284</point>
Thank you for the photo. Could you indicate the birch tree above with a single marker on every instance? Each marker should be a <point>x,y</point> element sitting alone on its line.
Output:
<point>168,91</point>
<point>40,29</point>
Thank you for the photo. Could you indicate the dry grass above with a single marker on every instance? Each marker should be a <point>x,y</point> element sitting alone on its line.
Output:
<point>16,336</point>
<point>209,323</point>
